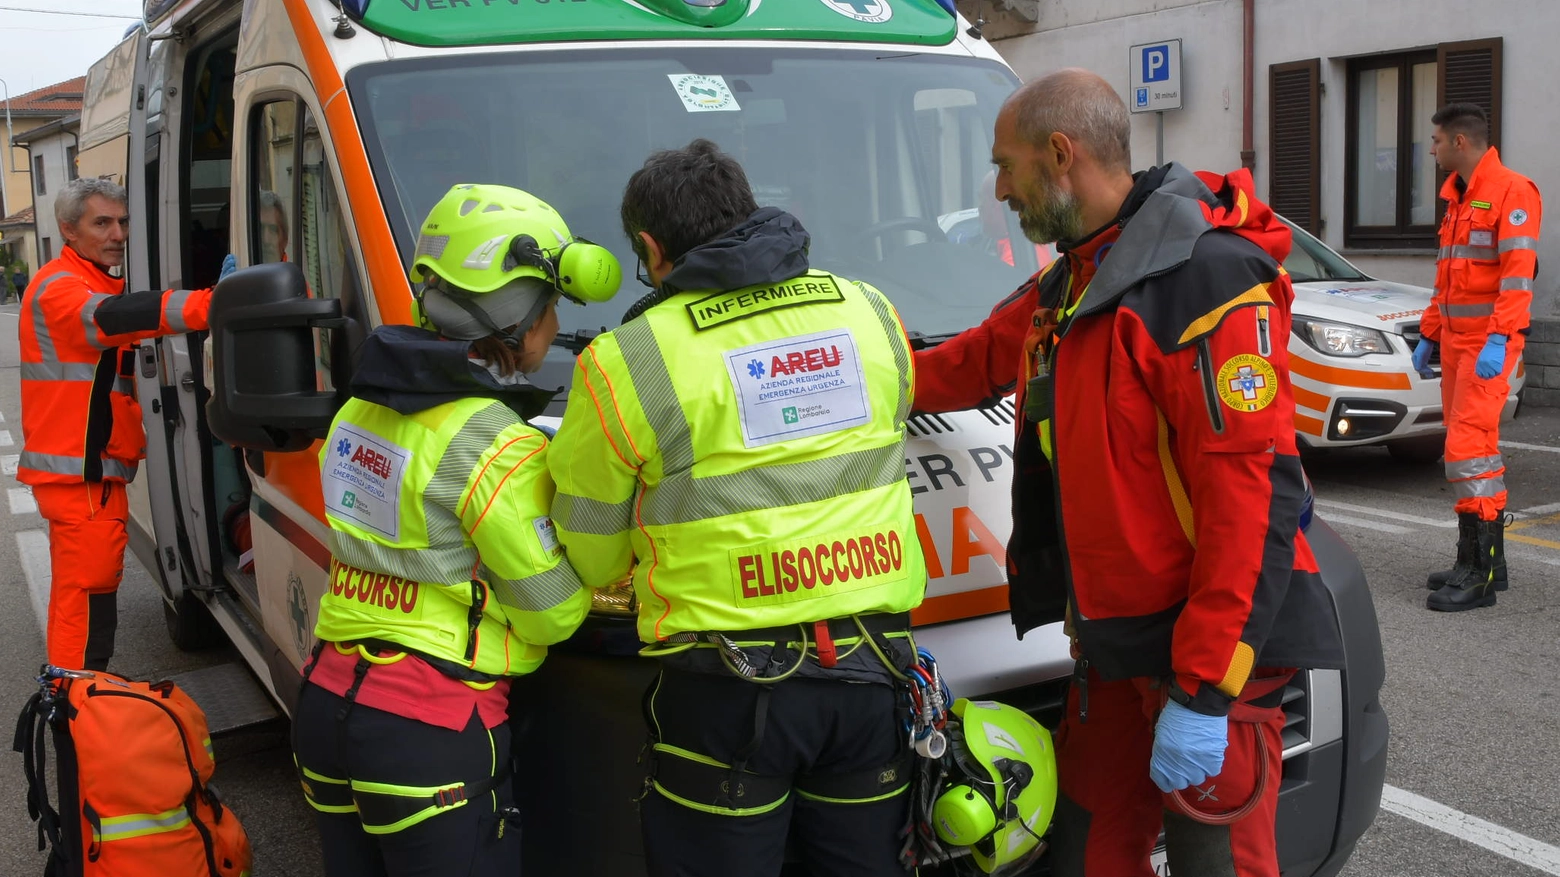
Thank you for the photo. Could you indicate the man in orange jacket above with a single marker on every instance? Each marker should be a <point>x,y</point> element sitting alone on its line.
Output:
<point>81,424</point>
<point>1479,319</point>
<point>1157,488</point>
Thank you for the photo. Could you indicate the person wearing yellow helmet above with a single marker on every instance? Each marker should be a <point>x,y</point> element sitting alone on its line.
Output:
<point>447,578</point>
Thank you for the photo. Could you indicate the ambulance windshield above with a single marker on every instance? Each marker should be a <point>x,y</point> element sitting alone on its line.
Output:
<point>883,157</point>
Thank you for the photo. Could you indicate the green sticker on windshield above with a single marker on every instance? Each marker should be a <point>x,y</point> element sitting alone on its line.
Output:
<point>703,94</point>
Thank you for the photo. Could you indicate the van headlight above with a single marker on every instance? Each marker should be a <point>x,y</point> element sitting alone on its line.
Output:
<point>1341,339</point>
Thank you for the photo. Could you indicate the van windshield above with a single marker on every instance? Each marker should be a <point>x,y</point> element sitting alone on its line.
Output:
<point>884,158</point>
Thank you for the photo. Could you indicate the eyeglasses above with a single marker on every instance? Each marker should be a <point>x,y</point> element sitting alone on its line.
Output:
<point>641,273</point>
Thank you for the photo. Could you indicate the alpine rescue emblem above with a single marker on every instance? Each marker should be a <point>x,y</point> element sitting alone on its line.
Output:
<point>1247,382</point>
<point>869,11</point>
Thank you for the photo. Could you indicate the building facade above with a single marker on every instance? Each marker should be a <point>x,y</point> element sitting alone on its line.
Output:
<point>51,155</point>
<point>1341,94</point>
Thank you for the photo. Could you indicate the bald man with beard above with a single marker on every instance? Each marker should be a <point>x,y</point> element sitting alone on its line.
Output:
<point>1158,489</point>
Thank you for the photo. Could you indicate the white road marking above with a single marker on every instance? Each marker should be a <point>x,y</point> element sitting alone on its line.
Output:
<point>1502,841</point>
<point>22,502</point>
<point>1540,511</point>
<point>1524,446</point>
<point>1369,525</point>
<point>1383,513</point>
<point>2,417</point>
<point>8,463</point>
<point>5,438</point>
<point>33,548</point>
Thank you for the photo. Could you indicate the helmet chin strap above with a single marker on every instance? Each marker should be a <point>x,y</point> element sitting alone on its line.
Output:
<point>481,316</point>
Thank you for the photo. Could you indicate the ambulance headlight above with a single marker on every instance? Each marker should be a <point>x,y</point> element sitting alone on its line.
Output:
<point>1341,339</point>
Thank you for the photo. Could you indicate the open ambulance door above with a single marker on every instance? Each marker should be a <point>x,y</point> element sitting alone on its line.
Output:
<point>119,139</point>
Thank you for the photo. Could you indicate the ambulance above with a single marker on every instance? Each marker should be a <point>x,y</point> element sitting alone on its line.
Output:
<point>317,134</point>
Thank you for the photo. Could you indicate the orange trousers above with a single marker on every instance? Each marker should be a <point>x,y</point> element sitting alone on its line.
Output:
<point>1471,406</point>
<point>87,541</point>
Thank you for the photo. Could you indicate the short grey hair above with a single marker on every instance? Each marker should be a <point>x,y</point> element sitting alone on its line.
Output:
<point>1082,106</point>
<point>71,202</point>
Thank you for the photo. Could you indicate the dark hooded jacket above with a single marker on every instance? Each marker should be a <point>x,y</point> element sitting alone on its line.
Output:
<point>1166,514</point>
<point>407,370</point>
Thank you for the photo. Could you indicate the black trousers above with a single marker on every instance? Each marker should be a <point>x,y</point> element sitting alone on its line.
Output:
<point>813,726</point>
<point>376,746</point>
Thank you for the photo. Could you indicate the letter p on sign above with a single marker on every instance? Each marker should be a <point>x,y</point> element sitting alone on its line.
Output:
<point>1156,63</point>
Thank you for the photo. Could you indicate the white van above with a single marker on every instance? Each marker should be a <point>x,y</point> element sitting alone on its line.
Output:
<point>318,134</point>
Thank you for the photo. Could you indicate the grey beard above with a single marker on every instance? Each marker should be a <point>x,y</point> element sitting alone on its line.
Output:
<point>1059,218</point>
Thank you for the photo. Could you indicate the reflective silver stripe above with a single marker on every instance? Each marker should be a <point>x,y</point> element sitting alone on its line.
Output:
<point>58,464</point>
<point>142,824</point>
<point>1478,487</point>
<point>462,456</point>
<point>895,336</point>
<point>1524,284</point>
<point>124,385</point>
<point>681,499</point>
<point>41,321</point>
<point>540,592</point>
<point>59,371</point>
<point>173,310</point>
<point>1483,309</point>
<point>1486,254</point>
<point>1457,470</point>
<point>430,565</point>
<point>580,514</point>
<point>1444,253</point>
<point>657,395</point>
<point>89,319</point>
<point>1509,244</point>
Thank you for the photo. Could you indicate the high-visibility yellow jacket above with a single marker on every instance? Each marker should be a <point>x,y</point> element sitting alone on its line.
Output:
<point>441,538</point>
<point>741,454</point>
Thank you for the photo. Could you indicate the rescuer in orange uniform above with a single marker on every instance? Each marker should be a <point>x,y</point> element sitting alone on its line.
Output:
<point>81,424</point>
<point>1479,318</point>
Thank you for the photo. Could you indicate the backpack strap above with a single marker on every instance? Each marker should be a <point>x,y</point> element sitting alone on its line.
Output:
<point>30,738</point>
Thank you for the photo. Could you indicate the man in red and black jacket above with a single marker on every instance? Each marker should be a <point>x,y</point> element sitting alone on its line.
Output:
<point>1158,490</point>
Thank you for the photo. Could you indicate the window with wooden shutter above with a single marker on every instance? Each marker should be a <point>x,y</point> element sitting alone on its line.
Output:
<point>1390,177</point>
<point>1295,142</point>
<point>1470,73</point>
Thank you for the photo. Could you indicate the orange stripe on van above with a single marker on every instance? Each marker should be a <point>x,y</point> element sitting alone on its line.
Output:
<point>1309,425</point>
<point>391,290</point>
<point>966,604</point>
<point>1348,377</point>
<point>1311,400</point>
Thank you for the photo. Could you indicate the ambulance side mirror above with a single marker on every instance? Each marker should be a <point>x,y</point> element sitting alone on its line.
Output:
<point>265,388</point>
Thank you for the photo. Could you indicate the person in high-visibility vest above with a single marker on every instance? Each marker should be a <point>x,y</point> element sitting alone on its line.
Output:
<point>81,424</point>
<point>736,447</point>
<point>1479,320</point>
<point>447,578</point>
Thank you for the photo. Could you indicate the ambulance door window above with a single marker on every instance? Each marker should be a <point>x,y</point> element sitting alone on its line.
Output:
<point>271,197</point>
<point>322,236</point>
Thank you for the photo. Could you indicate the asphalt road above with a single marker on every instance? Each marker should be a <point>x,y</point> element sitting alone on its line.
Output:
<point>1473,698</point>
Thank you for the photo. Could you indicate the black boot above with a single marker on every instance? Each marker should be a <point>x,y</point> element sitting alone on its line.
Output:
<point>1473,586</point>
<point>1498,560</point>
<point>1467,546</point>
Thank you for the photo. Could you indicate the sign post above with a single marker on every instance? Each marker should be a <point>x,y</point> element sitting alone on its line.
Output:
<point>1155,70</point>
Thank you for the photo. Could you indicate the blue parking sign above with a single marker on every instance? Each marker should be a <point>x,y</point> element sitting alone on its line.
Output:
<point>1156,63</point>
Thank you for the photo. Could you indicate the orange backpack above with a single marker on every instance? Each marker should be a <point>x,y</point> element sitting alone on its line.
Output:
<point>134,759</point>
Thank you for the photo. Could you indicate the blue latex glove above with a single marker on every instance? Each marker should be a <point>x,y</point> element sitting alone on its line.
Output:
<point>1492,359</point>
<point>1422,353</point>
<point>229,265</point>
<point>1188,747</point>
